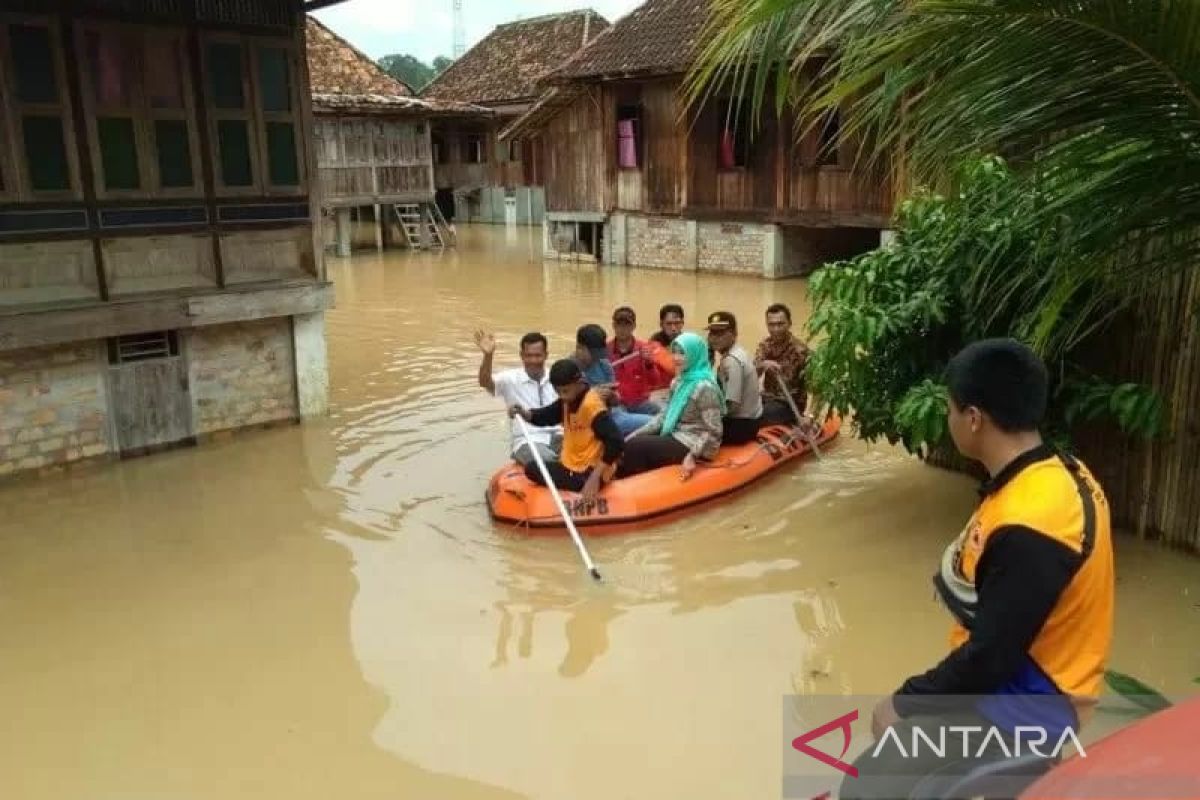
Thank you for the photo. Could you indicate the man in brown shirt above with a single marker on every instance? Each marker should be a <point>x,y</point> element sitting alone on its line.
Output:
<point>781,351</point>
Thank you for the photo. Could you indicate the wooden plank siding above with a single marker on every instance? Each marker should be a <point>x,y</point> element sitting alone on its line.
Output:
<point>575,155</point>
<point>679,171</point>
<point>498,168</point>
<point>362,161</point>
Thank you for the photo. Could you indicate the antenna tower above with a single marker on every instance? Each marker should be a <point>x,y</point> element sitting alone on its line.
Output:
<point>460,34</point>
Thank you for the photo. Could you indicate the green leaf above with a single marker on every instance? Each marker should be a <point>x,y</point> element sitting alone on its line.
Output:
<point>1135,691</point>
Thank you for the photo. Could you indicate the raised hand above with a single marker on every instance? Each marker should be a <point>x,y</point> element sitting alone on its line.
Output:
<point>485,341</point>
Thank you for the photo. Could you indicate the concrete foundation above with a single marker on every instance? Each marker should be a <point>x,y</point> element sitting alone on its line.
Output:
<point>312,364</point>
<point>745,248</point>
<point>58,406</point>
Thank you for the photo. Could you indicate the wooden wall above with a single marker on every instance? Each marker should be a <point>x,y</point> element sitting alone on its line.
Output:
<point>679,170</point>
<point>575,152</point>
<point>499,167</point>
<point>1154,488</point>
<point>123,214</point>
<point>365,160</point>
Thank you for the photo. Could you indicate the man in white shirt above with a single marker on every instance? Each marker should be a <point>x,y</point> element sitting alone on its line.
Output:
<point>738,379</point>
<point>527,386</point>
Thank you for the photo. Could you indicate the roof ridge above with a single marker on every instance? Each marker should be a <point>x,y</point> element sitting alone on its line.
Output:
<point>346,43</point>
<point>548,17</point>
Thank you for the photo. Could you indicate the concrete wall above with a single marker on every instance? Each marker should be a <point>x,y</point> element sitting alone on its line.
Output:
<point>56,403</point>
<point>241,374</point>
<point>745,248</point>
<point>53,406</point>
<point>733,247</point>
<point>660,242</point>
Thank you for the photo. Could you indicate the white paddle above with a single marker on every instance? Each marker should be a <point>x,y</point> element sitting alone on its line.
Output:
<point>562,509</point>
<point>787,393</point>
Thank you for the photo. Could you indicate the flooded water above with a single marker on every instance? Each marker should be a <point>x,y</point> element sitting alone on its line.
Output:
<point>325,611</point>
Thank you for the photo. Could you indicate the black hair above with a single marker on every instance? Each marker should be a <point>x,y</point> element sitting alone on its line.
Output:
<point>669,308</point>
<point>1003,378</point>
<point>533,337</point>
<point>592,337</point>
<point>624,310</point>
<point>564,372</point>
<point>780,308</point>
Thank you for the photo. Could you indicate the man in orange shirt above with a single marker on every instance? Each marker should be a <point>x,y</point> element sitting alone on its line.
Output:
<point>1029,583</point>
<point>591,444</point>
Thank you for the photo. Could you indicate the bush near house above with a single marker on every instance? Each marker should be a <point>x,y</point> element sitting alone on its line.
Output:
<point>971,264</point>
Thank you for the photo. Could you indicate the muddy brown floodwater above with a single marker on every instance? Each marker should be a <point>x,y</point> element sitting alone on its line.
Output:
<point>325,610</point>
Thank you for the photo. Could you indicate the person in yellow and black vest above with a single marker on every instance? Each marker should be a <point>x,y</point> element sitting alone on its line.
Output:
<point>1029,583</point>
<point>591,443</point>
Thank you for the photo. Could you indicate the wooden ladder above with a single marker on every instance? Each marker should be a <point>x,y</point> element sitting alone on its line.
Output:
<point>420,225</point>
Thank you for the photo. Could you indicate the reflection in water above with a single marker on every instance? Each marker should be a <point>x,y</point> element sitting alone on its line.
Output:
<point>326,611</point>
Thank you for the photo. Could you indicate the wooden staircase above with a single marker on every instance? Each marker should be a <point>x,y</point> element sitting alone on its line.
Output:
<point>423,225</point>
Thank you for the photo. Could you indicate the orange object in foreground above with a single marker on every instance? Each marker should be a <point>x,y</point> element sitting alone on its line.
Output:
<point>511,497</point>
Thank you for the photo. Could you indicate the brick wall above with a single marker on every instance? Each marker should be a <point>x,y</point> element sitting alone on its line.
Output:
<point>241,374</point>
<point>658,242</point>
<point>53,406</point>
<point>731,247</point>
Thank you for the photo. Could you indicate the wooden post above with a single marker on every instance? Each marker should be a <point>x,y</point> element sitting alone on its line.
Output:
<point>343,232</point>
<point>378,228</point>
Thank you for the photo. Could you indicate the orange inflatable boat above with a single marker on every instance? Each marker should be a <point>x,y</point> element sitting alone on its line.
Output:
<point>513,498</point>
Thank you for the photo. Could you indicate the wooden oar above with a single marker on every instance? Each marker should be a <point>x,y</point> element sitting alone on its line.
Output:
<point>804,431</point>
<point>626,357</point>
<point>558,501</point>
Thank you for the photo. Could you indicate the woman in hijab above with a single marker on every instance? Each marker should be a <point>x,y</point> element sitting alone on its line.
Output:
<point>689,426</point>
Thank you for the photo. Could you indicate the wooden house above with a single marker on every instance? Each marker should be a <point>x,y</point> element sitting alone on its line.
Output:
<point>479,178</point>
<point>634,177</point>
<point>373,145</point>
<point>159,278</point>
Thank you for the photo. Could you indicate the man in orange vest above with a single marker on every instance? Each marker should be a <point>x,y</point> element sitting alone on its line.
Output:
<point>591,443</point>
<point>1029,583</point>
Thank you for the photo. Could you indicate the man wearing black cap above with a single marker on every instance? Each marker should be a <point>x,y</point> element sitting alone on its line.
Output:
<point>640,367</point>
<point>738,378</point>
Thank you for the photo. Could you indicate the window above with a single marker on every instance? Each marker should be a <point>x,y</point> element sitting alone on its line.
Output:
<point>36,147</point>
<point>252,91</point>
<point>278,112</point>
<point>440,154</point>
<point>629,137</point>
<point>139,111</point>
<point>734,149</point>
<point>514,149</point>
<point>474,146</point>
<point>831,135</point>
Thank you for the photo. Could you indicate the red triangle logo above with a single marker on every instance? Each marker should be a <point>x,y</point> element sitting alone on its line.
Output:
<point>800,743</point>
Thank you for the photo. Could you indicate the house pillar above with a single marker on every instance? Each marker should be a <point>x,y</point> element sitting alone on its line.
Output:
<point>378,228</point>
<point>772,252</point>
<point>312,364</point>
<point>342,215</point>
<point>692,257</point>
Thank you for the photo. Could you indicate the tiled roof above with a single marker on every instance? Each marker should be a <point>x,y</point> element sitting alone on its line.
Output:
<point>390,104</point>
<point>337,67</point>
<point>508,63</point>
<point>658,37</point>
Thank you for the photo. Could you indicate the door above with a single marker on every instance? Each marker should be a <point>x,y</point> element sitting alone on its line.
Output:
<point>150,395</point>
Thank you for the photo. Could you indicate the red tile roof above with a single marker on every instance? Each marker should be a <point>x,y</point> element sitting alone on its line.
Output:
<point>508,63</point>
<point>337,67</point>
<point>658,37</point>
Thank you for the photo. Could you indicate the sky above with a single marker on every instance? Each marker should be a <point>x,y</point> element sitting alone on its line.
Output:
<point>424,27</point>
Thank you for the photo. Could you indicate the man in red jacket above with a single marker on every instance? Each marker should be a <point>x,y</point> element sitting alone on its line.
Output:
<point>643,366</point>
